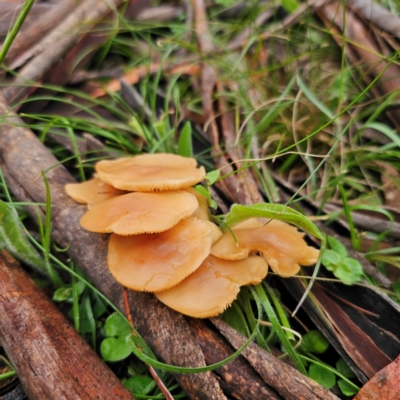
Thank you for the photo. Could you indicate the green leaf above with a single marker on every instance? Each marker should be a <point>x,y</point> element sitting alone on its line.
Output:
<point>349,271</point>
<point>331,259</point>
<point>63,294</point>
<point>114,349</point>
<point>322,375</point>
<point>344,369</point>
<point>336,246</point>
<point>185,141</point>
<point>314,342</point>
<point>213,176</point>
<point>87,321</point>
<point>116,325</point>
<point>290,5</point>
<point>203,191</point>
<point>235,318</point>
<point>142,384</point>
<point>12,237</point>
<point>346,388</point>
<point>276,211</point>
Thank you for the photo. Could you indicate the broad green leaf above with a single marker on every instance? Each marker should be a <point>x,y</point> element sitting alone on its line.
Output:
<point>114,349</point>
<point>314,342</point>
<point>12,237</point>
<point>349,271</point>
<point>322,375</point>
<point>336,246</point>
<point>185,141</point>
<point>213,176</point>
<point>346,388</point>
<point>276,211</point>
<point>331,259</point>
<point>344,369</point>
<point>116,325</point>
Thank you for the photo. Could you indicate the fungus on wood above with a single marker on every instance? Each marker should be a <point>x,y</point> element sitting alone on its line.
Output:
<point>164,242</point>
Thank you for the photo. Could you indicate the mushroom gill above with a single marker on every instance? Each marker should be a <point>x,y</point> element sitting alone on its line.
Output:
<point>158,261</point>
<point>281,244</point>
<point>136,213</point>
<point>213,286</point>
<point>150,172</point>
<point>92,192</point>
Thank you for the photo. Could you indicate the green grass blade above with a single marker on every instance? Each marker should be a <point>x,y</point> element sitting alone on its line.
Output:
<point>15,29</point>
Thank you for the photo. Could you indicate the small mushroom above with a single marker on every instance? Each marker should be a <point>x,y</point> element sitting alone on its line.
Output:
<point>213,286</point>
<point>281,244</point>
<point>136,213</point>
<point>150,172</point>
<point>92,192</point>
<point>158,261</point>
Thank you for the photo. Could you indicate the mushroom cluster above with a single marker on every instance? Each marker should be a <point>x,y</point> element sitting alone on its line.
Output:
<point>163,241</point>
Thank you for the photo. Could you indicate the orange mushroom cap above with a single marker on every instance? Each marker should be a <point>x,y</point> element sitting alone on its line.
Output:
<point>150,172</point>
<point>135,213</point>
<point>213,286</point>
<point>158,261</point>
<point>281,244</point>
<point>92,192</point>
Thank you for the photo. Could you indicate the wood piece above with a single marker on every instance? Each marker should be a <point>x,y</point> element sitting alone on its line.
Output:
<point>58,43</point>
<point>237,377</point>
<point>289,382</point>
<point>385,384</point>
<point>51,358</point>
<point>164,330</point>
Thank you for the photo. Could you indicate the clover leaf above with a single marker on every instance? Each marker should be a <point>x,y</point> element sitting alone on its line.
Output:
<point>113,347</point>
<point>336,260</point>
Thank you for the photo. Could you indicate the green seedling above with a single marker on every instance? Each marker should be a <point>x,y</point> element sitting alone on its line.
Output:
<point>336,260</point>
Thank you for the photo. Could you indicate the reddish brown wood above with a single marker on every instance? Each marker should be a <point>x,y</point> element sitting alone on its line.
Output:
<point>384,385</point>
<point>51,359</point>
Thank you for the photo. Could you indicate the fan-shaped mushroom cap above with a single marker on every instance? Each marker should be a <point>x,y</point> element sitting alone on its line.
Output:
<point>213,286</point>
<point>158,261</point>
<point>135,213</point>
<point>92,192</point>
<point>281,244</point>
<point>150,172</point>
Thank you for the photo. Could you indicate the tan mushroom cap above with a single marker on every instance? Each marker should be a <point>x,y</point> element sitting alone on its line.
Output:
<point>213,286</point>
<point>158,261</point>
<point>150,172</point>
<point>281,244</point>
<point>136,213</point>
<point>92,192</point>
